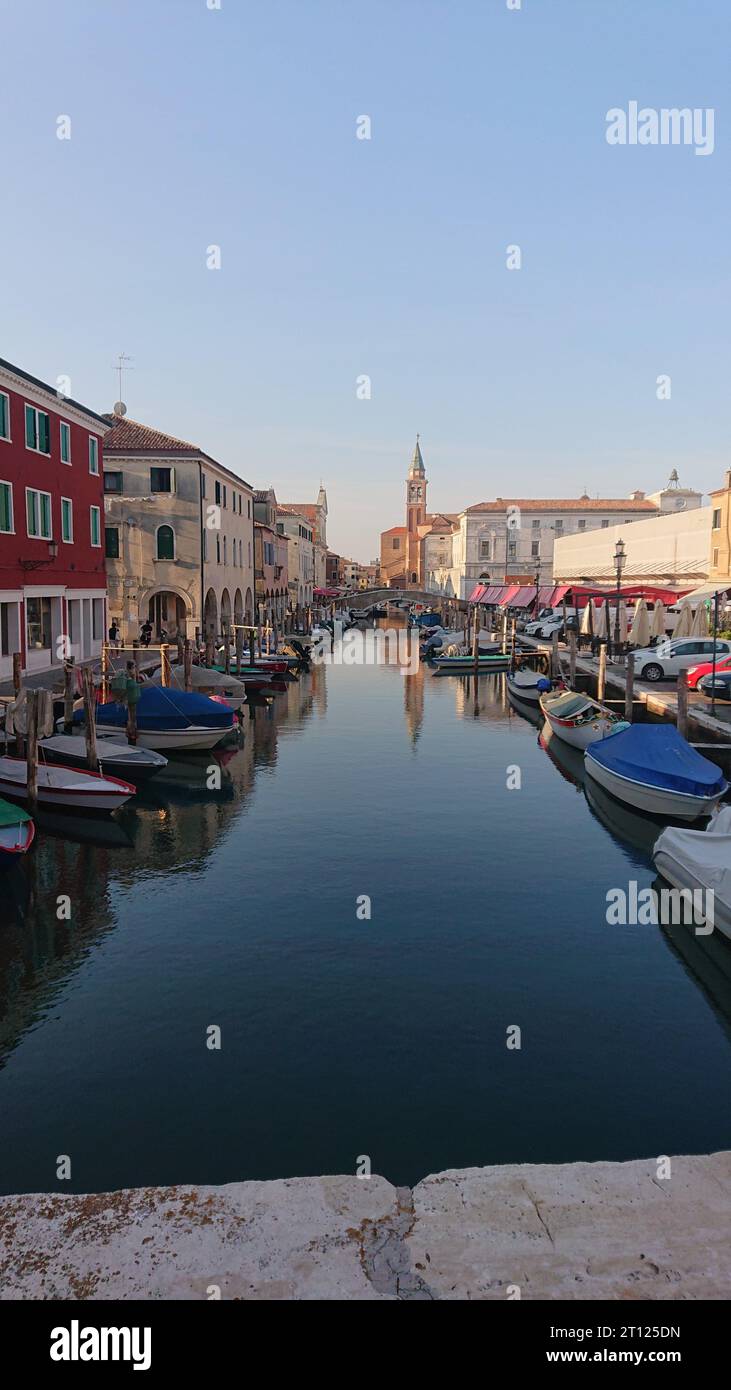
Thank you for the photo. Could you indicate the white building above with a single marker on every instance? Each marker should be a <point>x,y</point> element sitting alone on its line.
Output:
<point>672,548</point>
<point>301,554</point>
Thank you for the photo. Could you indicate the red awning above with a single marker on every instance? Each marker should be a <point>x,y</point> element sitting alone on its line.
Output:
<point>544,595</point>
<point>493,593</point>
<point>558,595</point>
<point>478,593</point>
<point>506,598</point>
<point>524,597</point>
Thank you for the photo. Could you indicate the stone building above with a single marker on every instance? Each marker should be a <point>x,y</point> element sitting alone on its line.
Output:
<point>300,556</point>
<point>178,535</point>
<point>315,513</point>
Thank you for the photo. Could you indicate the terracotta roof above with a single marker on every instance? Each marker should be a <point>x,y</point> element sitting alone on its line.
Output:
<point>128,436</point>
<point>393,530</point>
<point>566,504</point>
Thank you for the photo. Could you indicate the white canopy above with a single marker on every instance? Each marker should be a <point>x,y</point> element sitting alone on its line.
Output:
<point>657,626</point>
<point>684,624</point>
<point>640,634</point>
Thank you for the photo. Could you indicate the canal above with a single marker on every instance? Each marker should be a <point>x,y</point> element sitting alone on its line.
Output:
<point>484,868</point>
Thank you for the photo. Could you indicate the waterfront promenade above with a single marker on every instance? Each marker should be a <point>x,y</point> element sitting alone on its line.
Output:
<point>569,1231</point>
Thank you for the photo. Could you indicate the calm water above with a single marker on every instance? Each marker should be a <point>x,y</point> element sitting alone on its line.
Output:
<point>344,1037</point>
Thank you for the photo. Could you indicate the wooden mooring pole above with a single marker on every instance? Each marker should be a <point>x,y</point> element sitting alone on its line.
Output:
<point>17,672</point>
<point>629,689</point>
<point>683,704</point>
<point>90,715</point>
<point>69,688</point>
<point>32,749</point>
<point>601,684</point>
<point>164,664</point>
<point>476,639</point>
<point>187,664</point>
<point>572,660</point>
<point>239,648</point>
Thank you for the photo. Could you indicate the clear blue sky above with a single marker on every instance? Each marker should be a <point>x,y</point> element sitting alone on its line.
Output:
<point>387,257</point>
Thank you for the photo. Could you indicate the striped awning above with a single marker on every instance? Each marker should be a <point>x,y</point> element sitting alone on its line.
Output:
<point>525,596</point>
<point>478,593</point>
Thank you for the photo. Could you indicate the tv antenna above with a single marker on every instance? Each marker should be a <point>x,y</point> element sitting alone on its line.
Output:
<point>120,367</point>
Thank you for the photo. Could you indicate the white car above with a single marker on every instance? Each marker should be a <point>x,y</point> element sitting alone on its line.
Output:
<point>671,656</point>
<point>548,628</point>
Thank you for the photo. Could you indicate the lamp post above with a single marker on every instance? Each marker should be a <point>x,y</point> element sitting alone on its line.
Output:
<point>537,582</point>
<point>620,558</point>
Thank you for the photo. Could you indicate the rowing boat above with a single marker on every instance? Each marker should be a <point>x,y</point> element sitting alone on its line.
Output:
<point>68,787</point>
<point>652,767</point>
<point>578,719</point>
<point>16,833</point>
<point>465,665</point>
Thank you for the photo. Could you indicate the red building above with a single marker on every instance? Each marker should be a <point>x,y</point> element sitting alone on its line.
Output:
<point>52,572</point>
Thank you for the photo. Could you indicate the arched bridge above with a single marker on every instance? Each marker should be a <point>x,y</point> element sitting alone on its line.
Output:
<point>365,598</point>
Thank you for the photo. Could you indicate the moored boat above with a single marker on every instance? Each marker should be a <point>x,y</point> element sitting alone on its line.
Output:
<point>528,685</point>
<point>578,719</point>
<point>652,767</point>
<point>17,832</point>
<point>465,665</point>
<point>118,759</point>
<point>67,787</point>
<point>171,719</point>
<point>700,861</point>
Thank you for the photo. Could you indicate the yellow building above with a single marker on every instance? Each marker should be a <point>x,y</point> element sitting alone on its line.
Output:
<point>720,567</point>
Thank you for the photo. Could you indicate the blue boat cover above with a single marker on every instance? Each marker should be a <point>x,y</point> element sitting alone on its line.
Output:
<point>657,755</point>
<point>162,707</point>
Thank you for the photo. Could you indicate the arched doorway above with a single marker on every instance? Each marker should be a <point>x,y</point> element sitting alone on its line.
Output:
<point>249,606</point>
<point>168,612</point>
<point>210,615</point>
<point>238,607</point>
<point>225,610</point>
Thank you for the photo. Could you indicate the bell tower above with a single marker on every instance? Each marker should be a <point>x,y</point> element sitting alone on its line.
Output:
<point>416,485</point>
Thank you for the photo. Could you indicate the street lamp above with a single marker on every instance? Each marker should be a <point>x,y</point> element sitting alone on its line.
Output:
<point>620,559</point>
<point>537,582</point>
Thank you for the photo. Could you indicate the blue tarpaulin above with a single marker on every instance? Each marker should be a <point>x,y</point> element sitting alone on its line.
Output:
<point>161,707</point>
<point>657,755</point>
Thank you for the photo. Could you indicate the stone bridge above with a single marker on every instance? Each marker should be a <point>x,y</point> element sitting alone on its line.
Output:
<point>364,598</point>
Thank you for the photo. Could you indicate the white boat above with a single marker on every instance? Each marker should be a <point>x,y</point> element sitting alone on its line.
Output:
<point>170,719</point>
<point>115,757</point>
<point>64,786</point>
<point>16,833</point>
<point>528,685</point>
<point>578,719</point>
<point>700,860</point>
<point>652,767</point>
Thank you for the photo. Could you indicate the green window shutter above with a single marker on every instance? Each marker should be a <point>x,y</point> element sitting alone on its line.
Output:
<point>95,525</point>
<point>65,444</point>
<point>30,500</point>
<point>44,432</point>
<point>6,509</point>
<point>66,520</point>
<point>4,421</point>
<point>111,542</point>
<point>93,455</point>
<point>30,427</point>
<point>45,516</point>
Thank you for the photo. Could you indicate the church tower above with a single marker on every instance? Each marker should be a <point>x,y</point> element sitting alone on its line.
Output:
<point>416,485</point>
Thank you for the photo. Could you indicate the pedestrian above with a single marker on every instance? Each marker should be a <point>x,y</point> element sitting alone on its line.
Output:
<point>114,633</point>
<point>146,633</point>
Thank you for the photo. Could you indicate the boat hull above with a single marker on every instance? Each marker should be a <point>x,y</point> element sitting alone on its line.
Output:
<point>656,801</point>
<point>679,875</point>
<point>64,787</point>
<point>180,740</point>
<point>465,665</point>
<point>114,759</point>
<point>15,840</point>
<point>579,736</point>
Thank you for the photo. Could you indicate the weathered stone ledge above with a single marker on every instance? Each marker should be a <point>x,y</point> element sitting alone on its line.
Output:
<point>562,1231</point>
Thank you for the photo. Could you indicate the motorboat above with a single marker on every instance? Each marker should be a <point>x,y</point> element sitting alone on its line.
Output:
<point>17,832</point>
<point>700,860</point>
<point>465,665</point>
<point>578,719</point>
<point>528,685</point>
<point>207,681</point>
<point>171,719</point>
<point>130,763</point>
<point>67,787</point>
<point>651,767</point>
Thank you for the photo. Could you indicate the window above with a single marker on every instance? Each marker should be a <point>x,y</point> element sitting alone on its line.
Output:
<point>165,543</point>
<point>95,525</point>
<point>38,511</point>
<point>111,542</point>
<point>559,527</point>
<point>93,454</point>
<point>249,554</point>
<point>224,496</point>
<point>512,549</point>
<point>6,508</point>
<point>203,484</point>
<point>162,480</point>
<point>604,525</point>
<point>582,524</point>
<point>97,619</point>
<point>225,551</point>
<point>536,523</point>
<point>65,442</point>
<point>38,623</point>
<point>37,430</point>
<point>248,507</point>
<point>218,549</point>
<point>717,518</point>
<point>112,482</point>
<point>715,557</point>
<point>218,492</point>
<point>396,542</point>
<point>484,550</point>
<point>535,548</point>
<point>67,520</point>
<point>4,416</point>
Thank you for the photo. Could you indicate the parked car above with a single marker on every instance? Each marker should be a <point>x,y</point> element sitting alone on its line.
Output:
<point>720,688</point>
<point>533,628</point>
<point>670,657</point>
<point>548,628</point>
<point>696,673</point>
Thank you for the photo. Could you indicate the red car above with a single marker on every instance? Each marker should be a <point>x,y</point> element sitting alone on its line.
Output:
<point>696,673</point>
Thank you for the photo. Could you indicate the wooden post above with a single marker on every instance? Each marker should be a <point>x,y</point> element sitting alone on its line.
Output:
<point>476,639</point>
<point>227,649</point>
<point>512,641</point>
<point>683,704</point>
<point>90,713</point>
<point>209,651</point>
<point>555,663</point>
<point>132,724</point>
<point>505,632</point>
<point>572,660</point>
<point>69,689</point>
<point>17,669</point>
<point>136,658</point>
<point>164,664</point>
<point>187,665</point>
<point>239,648</point>
<point>258,637</point>
<point>181,649</point>
<point>602,678</point>
<point>629,689</point>
<point>105,672</point>
<point>32,749</point>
